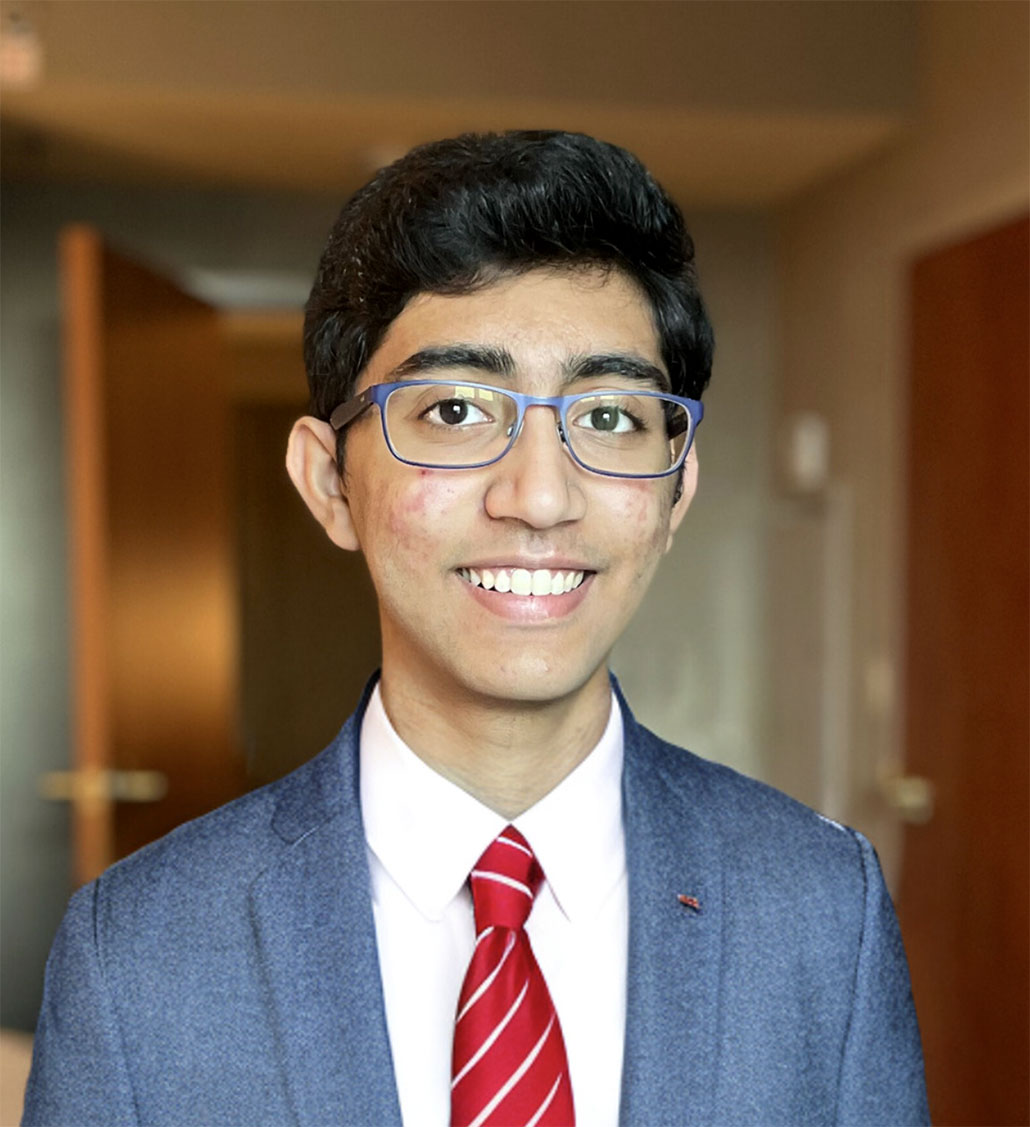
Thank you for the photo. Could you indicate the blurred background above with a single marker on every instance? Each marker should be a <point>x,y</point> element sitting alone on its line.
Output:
<point>845,611</point>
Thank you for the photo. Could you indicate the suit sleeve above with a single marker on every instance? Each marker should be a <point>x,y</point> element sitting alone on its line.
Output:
<point>882,1080</point>
<point>79,1075</point>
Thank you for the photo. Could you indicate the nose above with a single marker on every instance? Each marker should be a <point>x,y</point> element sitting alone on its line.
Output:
<point>537,482</point>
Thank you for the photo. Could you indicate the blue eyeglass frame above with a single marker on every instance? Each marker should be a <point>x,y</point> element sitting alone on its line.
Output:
<point>377,394</point>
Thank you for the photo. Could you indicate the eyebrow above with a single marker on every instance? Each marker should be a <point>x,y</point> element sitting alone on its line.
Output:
<point>625,364</point>
<point>482,358</point>
<point>496,361</point>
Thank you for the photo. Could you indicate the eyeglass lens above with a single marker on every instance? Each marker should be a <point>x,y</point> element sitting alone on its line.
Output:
<point>459,424</point>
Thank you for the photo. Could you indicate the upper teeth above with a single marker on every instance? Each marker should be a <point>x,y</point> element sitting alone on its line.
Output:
<point>521,581</point>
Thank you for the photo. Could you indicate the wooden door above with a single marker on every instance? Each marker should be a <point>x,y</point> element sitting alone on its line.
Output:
<point>154,661</point>
<point>964,884</point>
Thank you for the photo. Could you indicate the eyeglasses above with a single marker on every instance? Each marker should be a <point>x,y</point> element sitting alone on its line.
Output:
<point>440,424</point>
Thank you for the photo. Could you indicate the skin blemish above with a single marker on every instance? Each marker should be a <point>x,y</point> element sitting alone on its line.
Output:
<point>428,497</point>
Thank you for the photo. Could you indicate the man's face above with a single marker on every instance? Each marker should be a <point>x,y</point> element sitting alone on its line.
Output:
<point>424,532</point>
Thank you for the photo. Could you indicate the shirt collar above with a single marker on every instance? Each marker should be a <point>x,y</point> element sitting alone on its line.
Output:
<point>427,832</point>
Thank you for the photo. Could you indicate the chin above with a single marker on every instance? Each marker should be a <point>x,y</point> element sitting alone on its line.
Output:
<point>531,680</point>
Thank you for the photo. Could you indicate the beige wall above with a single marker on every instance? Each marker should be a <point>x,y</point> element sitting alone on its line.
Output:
<point>844,252</point>
<point>691,660</point>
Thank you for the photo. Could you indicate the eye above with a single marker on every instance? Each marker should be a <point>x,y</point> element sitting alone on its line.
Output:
<point>455,413</point>
<point>607,418</point>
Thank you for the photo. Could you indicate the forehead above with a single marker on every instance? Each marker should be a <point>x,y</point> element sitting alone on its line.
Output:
<point>542,318</point>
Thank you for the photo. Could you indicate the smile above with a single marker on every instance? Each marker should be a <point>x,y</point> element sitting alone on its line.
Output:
<point>521,581</point>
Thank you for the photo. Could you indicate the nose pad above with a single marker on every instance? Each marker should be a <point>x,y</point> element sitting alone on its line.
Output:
<point>559,429</point>
<point>557,426</point>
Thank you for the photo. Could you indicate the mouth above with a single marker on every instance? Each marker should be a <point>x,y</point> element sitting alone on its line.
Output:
<point>539,583</point>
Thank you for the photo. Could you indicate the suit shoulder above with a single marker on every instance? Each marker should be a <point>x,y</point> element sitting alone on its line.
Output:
<point>754,822</point>
<point>231,845</point>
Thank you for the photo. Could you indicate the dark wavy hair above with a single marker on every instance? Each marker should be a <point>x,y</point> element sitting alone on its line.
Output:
<point>453,215</point>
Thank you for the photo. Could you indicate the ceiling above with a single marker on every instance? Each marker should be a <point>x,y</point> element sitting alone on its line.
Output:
<point>731,104</point>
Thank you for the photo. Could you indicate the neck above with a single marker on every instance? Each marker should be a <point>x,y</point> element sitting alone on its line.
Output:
<point>507,754</point>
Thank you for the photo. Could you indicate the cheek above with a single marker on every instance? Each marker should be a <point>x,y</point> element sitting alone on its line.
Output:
<point>638,522</point>
<point>409,509</point>
<point>643,512</point>
<point>420,509</point>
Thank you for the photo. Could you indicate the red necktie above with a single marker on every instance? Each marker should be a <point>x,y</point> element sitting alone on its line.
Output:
<point>509,1066</point>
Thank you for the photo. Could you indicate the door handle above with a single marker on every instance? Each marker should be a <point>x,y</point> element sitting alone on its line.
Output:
<point>911,797</point>
<point>103,784</point>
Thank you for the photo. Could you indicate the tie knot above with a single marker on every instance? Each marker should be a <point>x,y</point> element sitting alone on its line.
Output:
<point>504,882</point>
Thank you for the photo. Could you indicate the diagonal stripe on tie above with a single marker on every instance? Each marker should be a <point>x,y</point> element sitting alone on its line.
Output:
<point>501,878</point>
<point>509,1063</point>
<point>487,982</point>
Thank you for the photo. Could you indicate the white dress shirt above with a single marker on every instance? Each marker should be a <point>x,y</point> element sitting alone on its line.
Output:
<point>424,835</point>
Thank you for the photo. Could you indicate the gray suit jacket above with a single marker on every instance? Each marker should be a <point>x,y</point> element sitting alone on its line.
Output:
<point>227,974</point>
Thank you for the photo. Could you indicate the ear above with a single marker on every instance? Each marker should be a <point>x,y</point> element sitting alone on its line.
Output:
<point>311,464</point>
<point>679,510</point>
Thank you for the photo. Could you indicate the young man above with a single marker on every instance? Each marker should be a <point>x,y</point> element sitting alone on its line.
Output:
<point>495,898</point>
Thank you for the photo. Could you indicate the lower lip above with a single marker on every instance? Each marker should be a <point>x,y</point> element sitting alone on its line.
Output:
<point>529,608</point>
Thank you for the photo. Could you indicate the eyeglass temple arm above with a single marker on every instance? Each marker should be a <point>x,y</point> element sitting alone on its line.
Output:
<point>347,412</point>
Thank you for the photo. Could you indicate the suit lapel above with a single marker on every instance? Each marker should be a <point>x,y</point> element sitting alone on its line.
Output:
<point>312,915</point>
<point>673,981</point>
